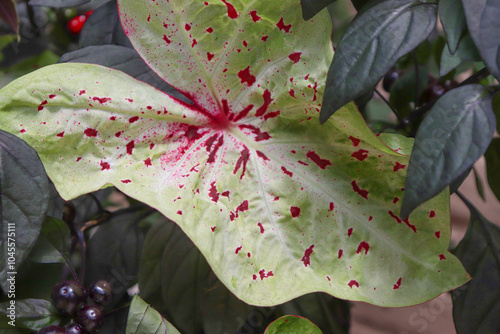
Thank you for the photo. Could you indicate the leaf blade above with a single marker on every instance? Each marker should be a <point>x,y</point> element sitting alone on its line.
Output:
<point>143,319</point>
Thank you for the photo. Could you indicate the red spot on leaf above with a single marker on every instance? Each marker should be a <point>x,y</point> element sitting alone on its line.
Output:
<point>51,96</point>
<point>147,162</point>
<point>213,152</point>
<point>362,192</point>
<point>210,56</point>
<point>78,159</point>
<point>328,278</point>
<point>82,92</point>
<point>187,27</point>
<point>213,193</point>
<point>133,119</point>
<point>126,181</point>
<point>101,100</point>
<point>271,115</point>
<point>242,162</point>
<point>398,284</point>
<point>112,118</point>
<point>259,135</point>
<point>104,165</point>
<point>355,141</point>
<point>90,132</point>
<point>129,100</point>
<point>179,212</point>
<point>238,250</point>
<point>286,171</point>
<point>407,222</point>
<point>118,134</point>
<point>213,228</point>
<point>130,147</point>
<point>360,155</point>
<point>307,256</point>
<point>432,214</point>
<point>243,113</point>
<point>263,274</point>
<point>255,17</point>
<point>209,30</point>
<point>442,257</point>
<point>194,42</point>
<point>60,134</point>
<point>349,231</point>
<point>395,200</point>
<point>332,206</point>
<point>281,25</point>
<point>437,234</point>
<point>295,211</point>
<point>192,133</point>
<point>261,228</point>
<point>231,11</point>
<point>264,38</point>
<point>291,92</point>
<point>370,218</point>
<point>353,283</point>
<point>225,194</point>
<point>262,155</point>
<point>398,166</point>
<point>322,163</point>
<point>363,246</point>
<point>267,101</point>
<point>340,253</point>
<point>166,39</point>
<point>295,57</point>
<point>246,77</point>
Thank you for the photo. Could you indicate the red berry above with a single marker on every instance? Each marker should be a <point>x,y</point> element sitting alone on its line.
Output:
<point>75,25</point>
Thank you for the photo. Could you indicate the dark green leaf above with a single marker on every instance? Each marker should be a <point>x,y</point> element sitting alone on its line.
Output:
<point>496,109</point>
<point>311,7</point>
<point>452,16</point>
<point>53,244</point>
<point>57,3</point>
<point>292,324</point>
<point>358,4</point>
<point>381,33</point>
<point>476,305</point>
<point>124,59</point>
<point>492,156</point>
<point>455,184</point>
<point>33,314</point>
<point>191,295</point>
<point>479,183</point>
<point>103,27</point>
<point>8,13</point>
<point>483,23</point>
<point>455,133</point>
<point>403,91</point>
<point>114,252</point>
<point>24,201</point>
<point>115,322</point>
<point>143,319</point>
<point>466,51</point>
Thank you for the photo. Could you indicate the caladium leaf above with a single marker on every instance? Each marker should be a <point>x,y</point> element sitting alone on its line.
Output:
<point>279,205</point>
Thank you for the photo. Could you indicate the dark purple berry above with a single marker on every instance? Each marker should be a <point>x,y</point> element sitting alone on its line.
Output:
<point>101,292</point>
<point>68,297</point>
<point>52,330</point>
<point>390,78</point>
<point>90,317</point>
<point>74,329</point>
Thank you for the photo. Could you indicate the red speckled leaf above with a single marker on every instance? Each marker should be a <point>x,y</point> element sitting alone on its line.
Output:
<point>279,205</point>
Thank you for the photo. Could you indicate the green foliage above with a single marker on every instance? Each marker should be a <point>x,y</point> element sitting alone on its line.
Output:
<point>143,319</point>
<point>292,324</point>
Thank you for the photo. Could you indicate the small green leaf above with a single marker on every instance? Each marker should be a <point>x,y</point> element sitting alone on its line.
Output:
<point>455,133</point>
<point>476,305</point>
<point>482,21</point>
<point>53,244</point>
<point>466,51</point>
<point>312,7</point>
<point>24,191</point>
<point>143,319</point>
<point>452,16</point>
<point>492,156</point>
<point>292,324</point>
<point>479,182</point>
<point>380,34</point>
<point>33,314</point>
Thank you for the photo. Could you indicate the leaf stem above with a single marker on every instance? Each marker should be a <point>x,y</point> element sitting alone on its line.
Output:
<point>389,104</point>
<point>417,79</point>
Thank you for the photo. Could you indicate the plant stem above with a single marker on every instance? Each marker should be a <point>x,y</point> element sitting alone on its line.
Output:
<point>389,104</point>
<point>417,79</point>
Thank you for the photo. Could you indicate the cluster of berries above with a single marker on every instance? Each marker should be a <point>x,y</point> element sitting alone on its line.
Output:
<point>70,299</point>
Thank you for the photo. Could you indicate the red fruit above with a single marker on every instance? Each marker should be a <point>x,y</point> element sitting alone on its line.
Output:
<point>75,25</point>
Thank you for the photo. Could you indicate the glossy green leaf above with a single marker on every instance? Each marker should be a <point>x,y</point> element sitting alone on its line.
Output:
<point>378,36</point>
<point>476,305</point>
<point>452,17</point>
<point>24,202</point>
<point>292,324</point>
<point>312,7</point>
<point>8,14</point>
<point>33,314</point>
<point>482,21</point>
<point>492,156</point>
<point>143,319</point>
<point>279,205</point>
<point>454,134</point>
<point>466,51</point>
<point>53,244</point>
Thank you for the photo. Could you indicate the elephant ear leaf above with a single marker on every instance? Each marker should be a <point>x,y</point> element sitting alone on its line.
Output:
<point>279,205</point>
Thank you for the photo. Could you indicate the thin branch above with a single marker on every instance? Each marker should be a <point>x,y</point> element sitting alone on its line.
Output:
<point>389,104</point>
<point>417,79</point>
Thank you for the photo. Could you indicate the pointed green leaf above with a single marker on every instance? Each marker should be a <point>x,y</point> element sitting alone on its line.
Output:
<point>143,319</point>
<point>454,134</point>
<point>378,36</point>
<point>476,305</point>
<point>492,156</point>
<point>479,182</point>
<point>23,203</point>
<point>53,244</point>
<point>312,7</point>
<point>452,17</point>
<point>292,324</point>
<point>466,51</point>
<point>279,205</point>
<point>482,21</point>
<point>33,314</point>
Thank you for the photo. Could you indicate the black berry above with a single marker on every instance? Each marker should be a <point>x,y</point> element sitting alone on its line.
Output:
<point>390,78</point>
<point>74,329</point>
<point>52,330</point>
<point>68,297</point>
<point>101,292</point>
<point>90,317</point>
